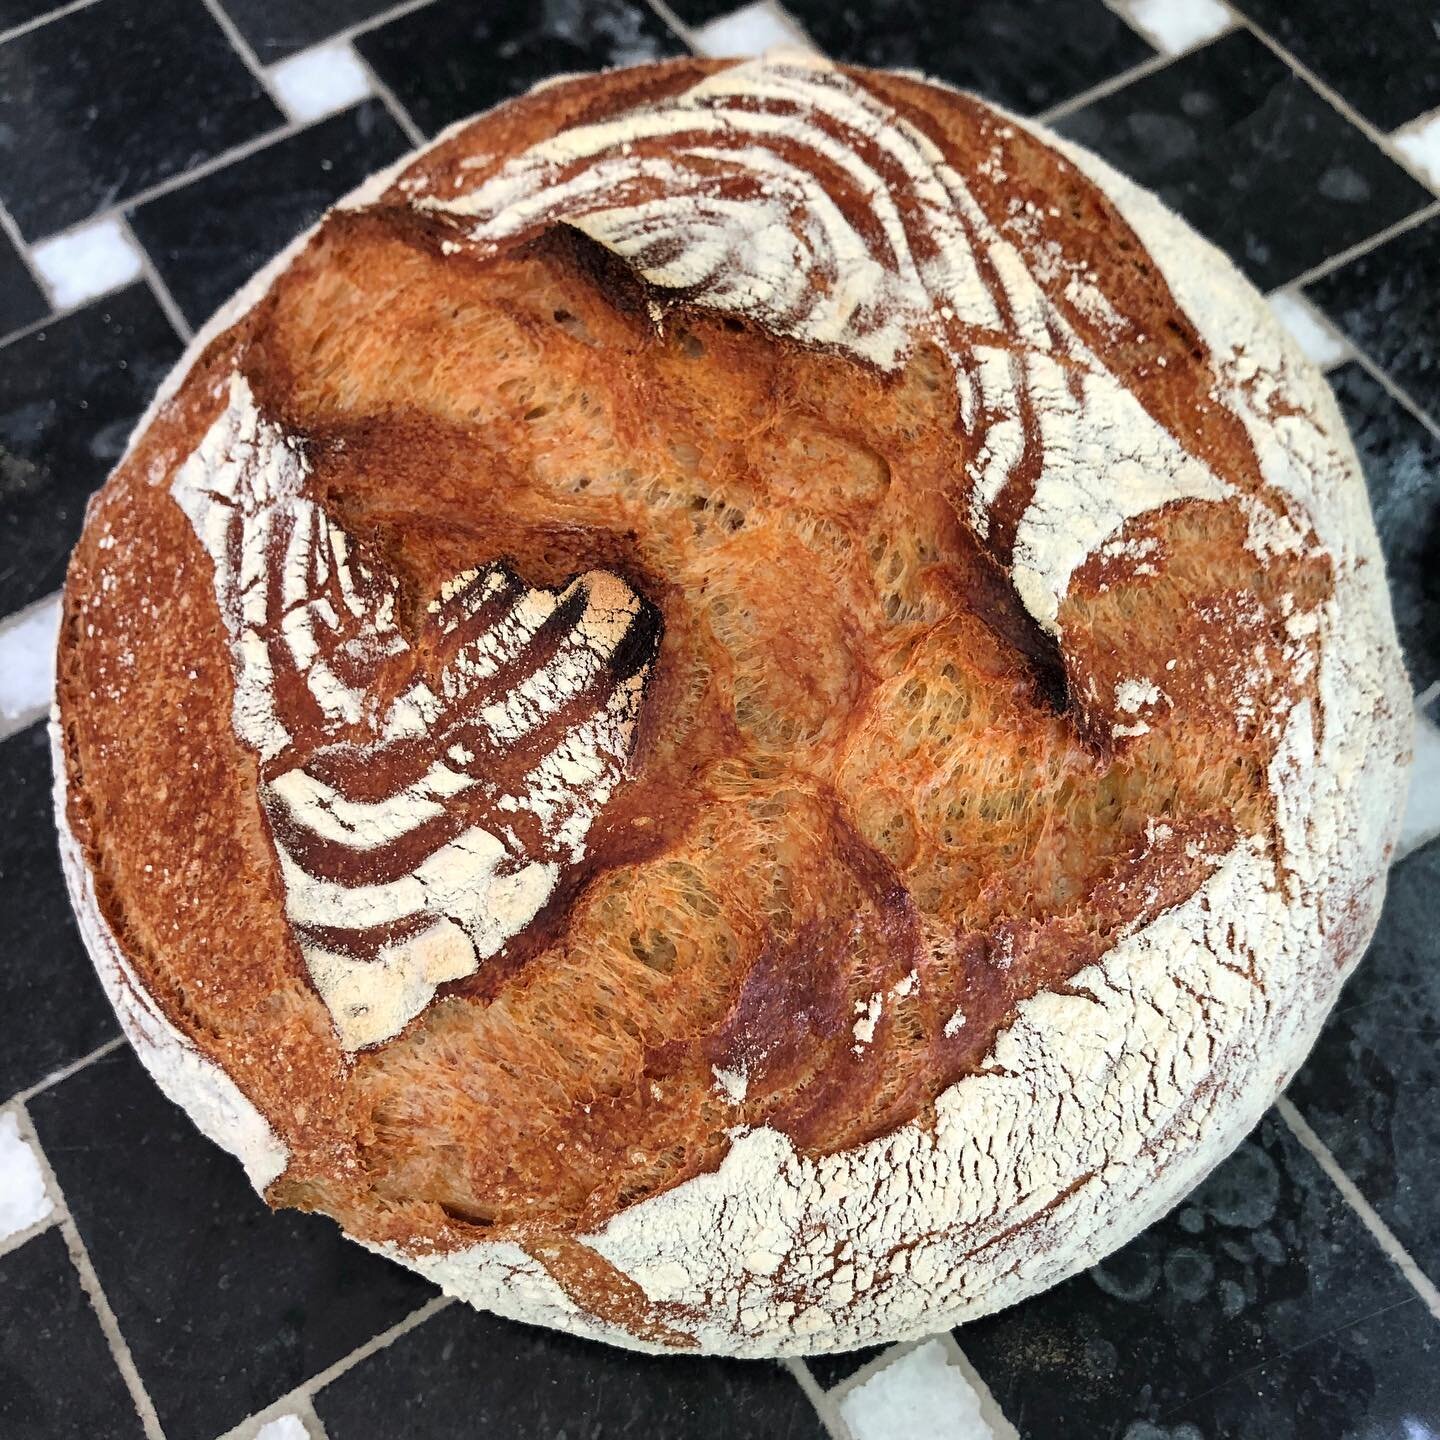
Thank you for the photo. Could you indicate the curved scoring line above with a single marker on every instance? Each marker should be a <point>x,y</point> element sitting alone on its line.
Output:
<point>539,682</point>
<point>1071,456</point>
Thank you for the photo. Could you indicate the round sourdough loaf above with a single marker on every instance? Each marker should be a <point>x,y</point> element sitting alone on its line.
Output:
<point>746,707</point>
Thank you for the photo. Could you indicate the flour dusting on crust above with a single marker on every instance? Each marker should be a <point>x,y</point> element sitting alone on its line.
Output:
<point>491,768</point>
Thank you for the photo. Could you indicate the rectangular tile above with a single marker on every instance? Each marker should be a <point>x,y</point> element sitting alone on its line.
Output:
<point>21,299</point>
<point>1383,58</point>
<point>1386,301</point>
<point>1027,54</point>
<point>208,238</point>
<point>276,28</point>
<point>1247,152</point>
<point>52,1010</point>
<point>69,394</point>
<point>454,58</point>
<point>1401,459</point>
<point>104,102</point>
<point>322,81</point>
<point>463,1373</point>
<point>57,1377</point>
<point>1261,1261</point>
<point>88,261</point>
<point>1369,1089</point>
<point>224,1305</point>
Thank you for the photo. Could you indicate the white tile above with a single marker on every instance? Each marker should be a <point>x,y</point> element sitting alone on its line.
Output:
<point>1176,25</point>
<point>921,1393</point>
<point>1419,143</point>
<point>1422,804</point>
<point>23,1200</point>
<point>751,30</point>
<point>283,1427</point>
<point>1317,339</point>
<point>87,262</point>
<point>27,664</point>
<point>320,81</point>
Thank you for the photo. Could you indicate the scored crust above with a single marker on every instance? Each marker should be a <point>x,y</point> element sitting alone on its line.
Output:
<point>1004,786</point>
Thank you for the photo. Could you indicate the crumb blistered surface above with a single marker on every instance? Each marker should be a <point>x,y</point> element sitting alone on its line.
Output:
<point>939,809</point>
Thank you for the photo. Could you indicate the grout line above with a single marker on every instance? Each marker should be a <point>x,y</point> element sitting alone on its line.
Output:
<point>305,1408</point>
<point>55,316</point>
<point>1384,1236</point>
<point>302,1394</point>
<point>158,287</point>
<point>387,97</point>
<point>375,22</point>
<point>1362,247</point>
<point>12,230</point>
<point>242,151</point>
<point>822,1400</point>
<point>682,31</point>
<point>1109,87</point>
<point>124,1361</point>
<point>1331,96</point>
<point>991,1414</point>
<point>66,1071</point>
<point>52,1193</point>
<point>15,31</point>
<point>296,1403</point>
<point>1396,391</point>
<point>90,1283</point>
<point>241,46</point>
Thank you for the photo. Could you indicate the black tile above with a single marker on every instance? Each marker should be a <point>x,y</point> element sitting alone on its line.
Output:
<point>1261,1265</point>
<point>209,237</point>
<point>1370,1381</point>
<point>830,1370</point>
<point>225,1306</point>
<point>453,58</point>
<point>113,98</point>
<point>21,300</point>
<point>1380,55</point>
<point>52,1010</point>
<point>57,1377</point>
<point>1230,137</point>
<point>1386,301</point>
<point>1402,471</point>
<point>1027,54</point>
<point>276,28</point>
<point>1369,1088</point>
<point>463,1373</point>
<point>69,394</point>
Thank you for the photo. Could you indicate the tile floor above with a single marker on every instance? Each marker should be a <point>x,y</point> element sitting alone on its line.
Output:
<point>152,154</point>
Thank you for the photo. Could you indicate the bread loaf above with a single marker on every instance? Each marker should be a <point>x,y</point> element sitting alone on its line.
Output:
<point>748,707</point>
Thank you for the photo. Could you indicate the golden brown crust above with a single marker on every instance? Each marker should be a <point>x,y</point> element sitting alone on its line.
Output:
<point>861,768</point>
